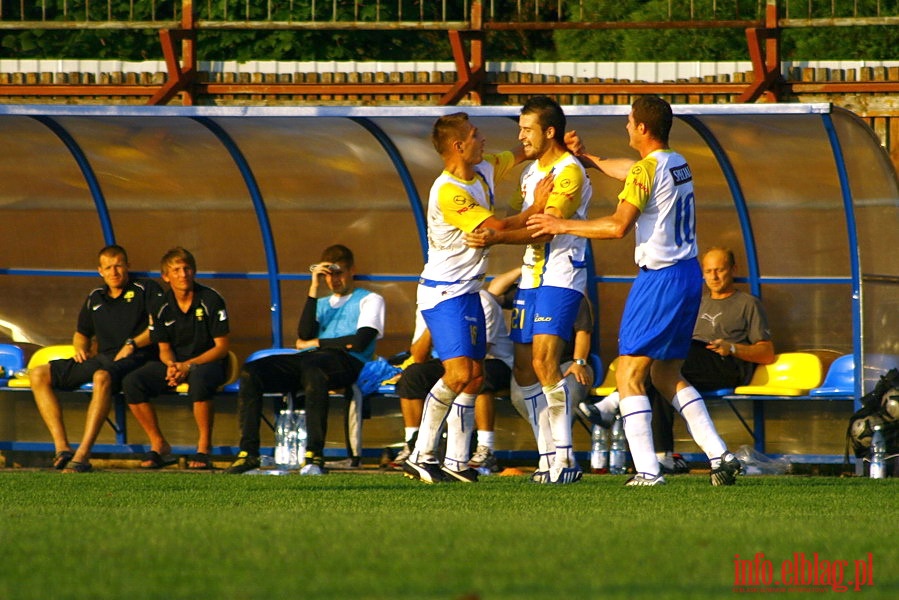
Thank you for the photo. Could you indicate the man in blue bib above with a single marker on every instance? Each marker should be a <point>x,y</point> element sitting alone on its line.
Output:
<point>336,336</point>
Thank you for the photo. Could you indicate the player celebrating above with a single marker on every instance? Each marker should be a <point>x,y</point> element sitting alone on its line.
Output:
<point>461,200</point>
<point>661,308</point>
<point>552,287</point>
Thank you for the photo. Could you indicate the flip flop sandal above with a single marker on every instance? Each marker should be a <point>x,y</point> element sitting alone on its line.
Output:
<point>157,461</point>
<point>78,467</point>
<point>62,458</point>
<point>203,459</point>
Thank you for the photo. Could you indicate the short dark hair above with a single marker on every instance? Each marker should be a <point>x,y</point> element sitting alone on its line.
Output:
<point>448,129</point>
<point>655,114</point>
<point>338,253</point>
<point>113,250</point>
<point>549,114</point>
<point>177,254</point>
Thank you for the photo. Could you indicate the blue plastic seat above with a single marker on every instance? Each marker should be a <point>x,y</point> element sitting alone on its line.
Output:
<point>12,359</point>
<point>840,378</point>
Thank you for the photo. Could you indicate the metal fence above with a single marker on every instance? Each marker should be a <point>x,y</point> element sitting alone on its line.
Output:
<point>453,14</point>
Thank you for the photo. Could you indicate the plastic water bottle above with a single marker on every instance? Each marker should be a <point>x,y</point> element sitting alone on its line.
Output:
<point>618,449</point>
<point>283,427</point>
<point>299,427</point>
<point>878,454</point>
<point>599,449</point>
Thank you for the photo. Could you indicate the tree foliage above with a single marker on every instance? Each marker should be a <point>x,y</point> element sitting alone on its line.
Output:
<point>611,44</point>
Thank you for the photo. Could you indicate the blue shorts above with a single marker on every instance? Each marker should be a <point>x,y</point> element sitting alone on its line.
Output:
<point>457,327</point>
<point>545,310</point>
<point>660,312</point>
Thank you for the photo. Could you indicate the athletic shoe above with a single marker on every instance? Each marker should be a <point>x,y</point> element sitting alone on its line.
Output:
<point>466,476</point>
<point>678,467</point>
<point>540,476</point>
<point>484,458</point>
<point>565,475</point>
<point>726,472</point>
<point>245,462</point>
<point>644,479</point>
<point>428,472</point>
<point>593,414</point>
<point>403,456</point>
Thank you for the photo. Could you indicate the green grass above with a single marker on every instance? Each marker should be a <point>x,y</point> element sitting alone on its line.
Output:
<point>187,535</point>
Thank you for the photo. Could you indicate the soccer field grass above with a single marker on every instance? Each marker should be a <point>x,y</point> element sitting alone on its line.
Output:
<point>175,534</point>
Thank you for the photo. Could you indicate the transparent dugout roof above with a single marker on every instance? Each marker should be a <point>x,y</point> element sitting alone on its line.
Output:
<point>804,194</point>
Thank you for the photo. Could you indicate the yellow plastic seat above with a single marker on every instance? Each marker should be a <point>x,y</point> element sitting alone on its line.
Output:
<point>791,374</point>
<point>41,357</point>
<point>232,370</point>
<point>609,384</point>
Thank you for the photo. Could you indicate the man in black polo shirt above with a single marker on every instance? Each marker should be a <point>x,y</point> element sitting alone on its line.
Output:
<point>191,327</point>
<point>117,315</point>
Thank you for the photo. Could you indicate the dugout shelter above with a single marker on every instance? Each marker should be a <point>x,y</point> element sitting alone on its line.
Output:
<point>804,194</point>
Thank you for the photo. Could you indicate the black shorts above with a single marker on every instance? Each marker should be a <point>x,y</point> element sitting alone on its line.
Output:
<point>68,375</point>
<point>418,378</point>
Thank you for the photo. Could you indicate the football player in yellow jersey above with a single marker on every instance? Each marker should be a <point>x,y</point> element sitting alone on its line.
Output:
<point>460,201</point>
<point>553,284</point>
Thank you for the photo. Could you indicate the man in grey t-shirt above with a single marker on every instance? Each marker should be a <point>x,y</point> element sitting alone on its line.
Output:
<point>730,337</point>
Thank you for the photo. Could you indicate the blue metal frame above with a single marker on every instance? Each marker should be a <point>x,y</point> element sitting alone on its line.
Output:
<point>730,176</point>
<point>87,171</point>
<point>854,259</point>
<point>268,241</point>
<point>205,116</point>
<point>402,170</point>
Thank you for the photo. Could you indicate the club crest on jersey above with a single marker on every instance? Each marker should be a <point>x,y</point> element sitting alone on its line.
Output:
<point>199,314</point>
<point>129,296</point>
<point>460,200</point>
<point>636,170</point>
<point>564,183</point>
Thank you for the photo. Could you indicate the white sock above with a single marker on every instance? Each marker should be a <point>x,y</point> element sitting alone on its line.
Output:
<point>485,438</point>
<point>608,406</point>
<point>459,427</point>
<point>689,403</point>
<point>410,431</point>
<point>531,402</point>
<point>665,459</point>
<point>437,404</point>
<point>636,416</point>
<point>560,422</point>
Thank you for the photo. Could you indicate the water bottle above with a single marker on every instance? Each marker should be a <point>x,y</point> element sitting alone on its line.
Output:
<point>878,454</point>
<point>283,426</point>
<point>599,449</point>
<point>618,449</point>
<point>299,426</point>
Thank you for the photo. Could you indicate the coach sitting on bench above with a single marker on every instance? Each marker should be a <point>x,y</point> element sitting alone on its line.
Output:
<point>117,315</point>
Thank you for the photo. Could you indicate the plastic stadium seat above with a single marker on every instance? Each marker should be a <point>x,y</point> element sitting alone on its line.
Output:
<point>42,357</point>
<point>791,374</point>
<point>840,379</point>
<point>12,359</point>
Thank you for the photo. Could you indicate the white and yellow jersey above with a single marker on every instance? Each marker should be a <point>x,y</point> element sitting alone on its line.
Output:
<point>661,186</point>
<point>562,261</point>
<point>457,207</point>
